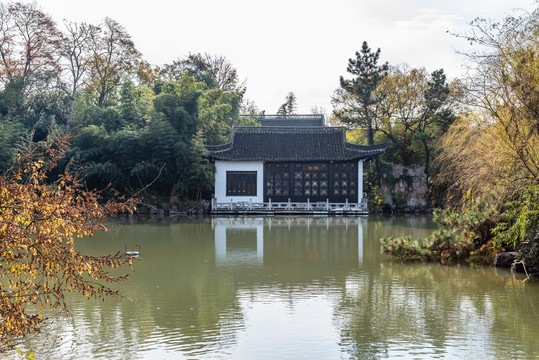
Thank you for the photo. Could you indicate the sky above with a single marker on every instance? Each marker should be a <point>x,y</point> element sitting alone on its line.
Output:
<point>299,46</point>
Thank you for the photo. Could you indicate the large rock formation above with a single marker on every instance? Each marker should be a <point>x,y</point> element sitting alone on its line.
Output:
<point>404,188</point>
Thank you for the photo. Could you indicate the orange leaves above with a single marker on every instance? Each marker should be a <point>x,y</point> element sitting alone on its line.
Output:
<point>39,221</point>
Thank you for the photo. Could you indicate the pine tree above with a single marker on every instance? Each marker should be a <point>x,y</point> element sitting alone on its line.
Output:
<point>356,98</point>
<point>290,105</point>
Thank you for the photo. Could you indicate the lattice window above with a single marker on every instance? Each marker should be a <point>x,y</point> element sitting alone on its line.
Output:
<point>344,180</point>
<point>277,180</point>
<point>241,183</point>
<point>310,180</point>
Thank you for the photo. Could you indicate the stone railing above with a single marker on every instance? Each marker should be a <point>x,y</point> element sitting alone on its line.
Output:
<point>291,206</point>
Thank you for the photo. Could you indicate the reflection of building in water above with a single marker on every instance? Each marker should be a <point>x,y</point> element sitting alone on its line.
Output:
<point>239,240</point>
<point>250,240</point>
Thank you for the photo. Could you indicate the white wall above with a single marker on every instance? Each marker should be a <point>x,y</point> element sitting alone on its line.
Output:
<point>221,167</point>
<point>360,180</point>
<point>247,223</point>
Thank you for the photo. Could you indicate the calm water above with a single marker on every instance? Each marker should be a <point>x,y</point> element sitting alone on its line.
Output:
<point>292,288</point>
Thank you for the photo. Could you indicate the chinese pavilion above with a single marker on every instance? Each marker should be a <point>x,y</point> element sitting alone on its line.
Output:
<point>292,162</point>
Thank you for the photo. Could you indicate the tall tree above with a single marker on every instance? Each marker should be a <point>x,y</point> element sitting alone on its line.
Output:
<point>494,151</point>
<point>75,49</point>
<point>438,113</point>
<point>356,102</point>
<point>398,114</point>
<point>29,41</point>
<point>113,55</point>
<point>417,109</point>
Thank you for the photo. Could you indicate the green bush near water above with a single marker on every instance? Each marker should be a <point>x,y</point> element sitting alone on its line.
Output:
<point>481,231</point>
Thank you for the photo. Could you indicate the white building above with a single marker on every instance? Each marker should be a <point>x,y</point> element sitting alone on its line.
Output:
<point>293,159</point>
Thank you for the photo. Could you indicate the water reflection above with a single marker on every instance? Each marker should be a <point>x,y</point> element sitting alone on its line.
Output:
<point>245,240</point>
<point>293,288</point>
<point>240,241</point>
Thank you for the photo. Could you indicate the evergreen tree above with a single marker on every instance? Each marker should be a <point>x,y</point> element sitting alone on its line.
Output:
<point>437,115</point>
<point>289,106</point>
<point>356,100</point>
<point>128,108</point>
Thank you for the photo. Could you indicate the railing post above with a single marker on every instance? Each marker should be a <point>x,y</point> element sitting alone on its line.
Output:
<point>288,206</point>
<point>308,204</point>
<point>327,204</point>
<point>250,204</point>
<point>346,205</point>
<point>269,204</point>
<point>231,204</point>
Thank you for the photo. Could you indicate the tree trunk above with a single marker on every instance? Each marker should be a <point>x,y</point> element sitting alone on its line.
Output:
<point>427,161</point>
<point>71,107</point>
<point>370,137</point>
<point>102,94</point>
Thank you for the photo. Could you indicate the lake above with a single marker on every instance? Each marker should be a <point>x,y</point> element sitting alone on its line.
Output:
<point>291,288</point>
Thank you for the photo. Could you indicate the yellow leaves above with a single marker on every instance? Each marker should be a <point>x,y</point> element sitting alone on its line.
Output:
<point>38,221</point>
<point>489,156</point>
<point>495,150</point>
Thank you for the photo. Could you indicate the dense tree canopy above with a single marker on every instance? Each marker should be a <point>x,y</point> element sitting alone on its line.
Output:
<point>131,120</point>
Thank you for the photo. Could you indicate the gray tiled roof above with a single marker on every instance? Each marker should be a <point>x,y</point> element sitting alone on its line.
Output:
<point>291,144</point>
<point>292,120</point>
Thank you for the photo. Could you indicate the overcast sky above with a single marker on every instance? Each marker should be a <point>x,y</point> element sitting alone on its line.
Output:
<point>301,46</point>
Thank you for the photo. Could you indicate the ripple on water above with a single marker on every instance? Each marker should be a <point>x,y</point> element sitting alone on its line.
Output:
<point>313,291</point>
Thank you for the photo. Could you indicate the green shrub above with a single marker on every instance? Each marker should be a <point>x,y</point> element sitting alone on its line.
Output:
<point>519,221</point>
<point>460,235</point>
<point>408,248</point>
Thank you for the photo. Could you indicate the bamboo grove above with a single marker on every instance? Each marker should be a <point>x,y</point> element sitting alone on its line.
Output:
<point>131,118</point>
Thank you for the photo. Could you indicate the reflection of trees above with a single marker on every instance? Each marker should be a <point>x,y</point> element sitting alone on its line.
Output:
<point>434,307</point>
<point>174,300</point>
<point>193,305</point>
<point>301,254</point>
<point>179,298</point>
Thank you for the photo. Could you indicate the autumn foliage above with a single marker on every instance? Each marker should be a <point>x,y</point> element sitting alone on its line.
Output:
<point>492,153</point>
<point>39,222</point>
